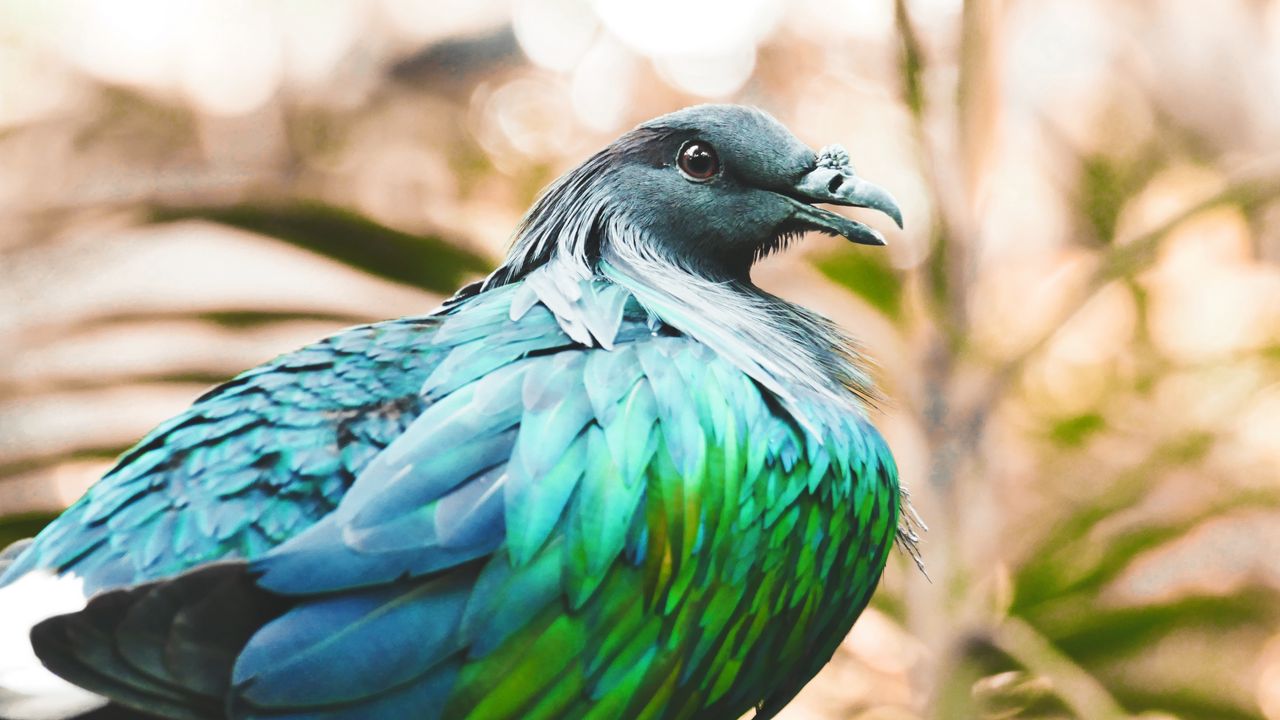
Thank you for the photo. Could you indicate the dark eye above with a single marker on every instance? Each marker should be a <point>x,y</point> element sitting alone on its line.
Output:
<point>698,160</point>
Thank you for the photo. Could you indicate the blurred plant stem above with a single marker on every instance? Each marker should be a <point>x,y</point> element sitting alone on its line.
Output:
<point>949,619</point>
<point>1074,685</point>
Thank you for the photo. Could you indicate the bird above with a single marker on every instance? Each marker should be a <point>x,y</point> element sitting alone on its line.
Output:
<point>612,479</point>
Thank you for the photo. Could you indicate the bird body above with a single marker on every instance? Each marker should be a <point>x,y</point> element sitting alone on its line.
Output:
<point>614,480</point>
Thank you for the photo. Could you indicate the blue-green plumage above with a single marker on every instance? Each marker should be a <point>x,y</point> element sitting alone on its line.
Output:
<point>571,492</point>
<point>250,464</point>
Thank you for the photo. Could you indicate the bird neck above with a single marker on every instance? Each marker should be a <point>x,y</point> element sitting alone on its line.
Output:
<point>804,360</point>
<point>574,236</point>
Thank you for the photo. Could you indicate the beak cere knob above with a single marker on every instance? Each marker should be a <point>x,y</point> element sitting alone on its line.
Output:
<point>833,181</point>
<point>834,157</point>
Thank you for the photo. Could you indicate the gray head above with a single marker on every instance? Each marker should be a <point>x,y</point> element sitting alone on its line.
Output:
<point>710,189</point>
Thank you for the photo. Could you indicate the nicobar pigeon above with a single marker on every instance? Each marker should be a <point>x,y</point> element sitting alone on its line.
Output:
<point>614,479</point>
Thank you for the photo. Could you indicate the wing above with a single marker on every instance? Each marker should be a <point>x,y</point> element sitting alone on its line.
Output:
<point>260,458</point>
<point>248,465</point>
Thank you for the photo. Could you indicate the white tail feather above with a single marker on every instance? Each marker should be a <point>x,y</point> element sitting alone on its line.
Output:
<point>27,690</point>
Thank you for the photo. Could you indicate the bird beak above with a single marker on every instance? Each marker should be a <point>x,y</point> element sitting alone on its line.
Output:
<point>833,181</point>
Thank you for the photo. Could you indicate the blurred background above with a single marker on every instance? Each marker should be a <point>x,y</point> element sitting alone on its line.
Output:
<point>1079,330</point>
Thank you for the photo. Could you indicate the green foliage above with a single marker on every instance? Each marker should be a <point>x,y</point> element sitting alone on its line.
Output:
<point>912,61</point>
<point>1075,430</point>
<point>1079,561</point>
<point>1106,185</point>
<point>1103,188</point>
<point>247,318</point>
<point>868,275</point>
<point>16,527</point>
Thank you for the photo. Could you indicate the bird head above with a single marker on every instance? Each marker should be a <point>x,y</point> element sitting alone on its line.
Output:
<point>709,189</point>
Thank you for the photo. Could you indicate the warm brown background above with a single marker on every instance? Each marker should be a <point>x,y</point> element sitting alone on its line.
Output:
<point>1079,329</point>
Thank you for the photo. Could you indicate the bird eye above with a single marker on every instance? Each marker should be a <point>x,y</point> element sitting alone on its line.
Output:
<point>698,160</point>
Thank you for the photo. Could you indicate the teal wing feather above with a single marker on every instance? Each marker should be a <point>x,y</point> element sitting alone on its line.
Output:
<point>261,457</point>
<point>248,465</point>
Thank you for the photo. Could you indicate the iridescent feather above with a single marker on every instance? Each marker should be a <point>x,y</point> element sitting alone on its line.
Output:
<point>614,480</point>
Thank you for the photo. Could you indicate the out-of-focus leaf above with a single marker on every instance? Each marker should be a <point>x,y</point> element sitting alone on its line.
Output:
<point>942,288</point>
<point>912,60</point>
<point>1053,568</point>
<point>16,527</point>
<point>1108,633</point>
<point>1109,638</point>
<point>1183,703</point>
<point>1045,573</point>
<point>426,261</point>
<point>1190,448</point>
<point>1073,586</point>
<point>869,276</point>
<point>1073,431</point>
<point>229,318</point>
<point>1103,190</point>
<point>1107,183</point>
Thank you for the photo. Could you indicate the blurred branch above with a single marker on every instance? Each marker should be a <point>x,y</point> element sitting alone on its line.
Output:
<point>1135,256</point>
<point>943,302</point>
<point>1119,261</point>
<point>954,196</point>
<point>1131,258</point>
<point>947,305</point>
<point>1078,689</point>
<point>912,61</point>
